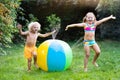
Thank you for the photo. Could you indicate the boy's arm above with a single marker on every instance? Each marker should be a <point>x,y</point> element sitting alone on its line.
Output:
<point>20,30</point>
<point>75,25</point>
<point>46,34</point>
<point>105,19</point>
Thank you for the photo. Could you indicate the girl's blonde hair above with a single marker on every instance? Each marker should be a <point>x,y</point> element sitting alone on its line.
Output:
<point>32,24</point>
<point>84,19</point>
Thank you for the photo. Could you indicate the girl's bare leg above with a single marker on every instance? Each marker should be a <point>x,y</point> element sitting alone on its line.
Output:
<point>87,54</point>
<point>97,53</point>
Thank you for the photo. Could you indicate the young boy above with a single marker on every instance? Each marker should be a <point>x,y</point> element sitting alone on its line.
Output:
<point>32,34</point>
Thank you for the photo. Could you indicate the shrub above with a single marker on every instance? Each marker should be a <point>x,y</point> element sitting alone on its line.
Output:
<point>7,22</point>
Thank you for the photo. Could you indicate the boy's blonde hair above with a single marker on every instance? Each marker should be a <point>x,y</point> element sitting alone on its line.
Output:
<point>33,23</point>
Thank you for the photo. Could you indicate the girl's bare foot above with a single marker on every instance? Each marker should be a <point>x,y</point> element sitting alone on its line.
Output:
<point>85,69</point>
<point>95,64</point>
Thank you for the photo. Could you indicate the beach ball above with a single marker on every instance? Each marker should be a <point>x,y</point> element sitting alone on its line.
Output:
<point>54,55</point>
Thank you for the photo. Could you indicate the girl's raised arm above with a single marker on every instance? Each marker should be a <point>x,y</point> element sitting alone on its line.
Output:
<point>75,25</point>
<point>105,19</point>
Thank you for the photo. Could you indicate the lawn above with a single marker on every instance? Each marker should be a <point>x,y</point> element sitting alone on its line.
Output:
<point>14,66</point>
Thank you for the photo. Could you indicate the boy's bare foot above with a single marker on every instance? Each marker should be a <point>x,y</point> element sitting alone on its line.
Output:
<point>28,70</point>
<point>95,64</point>
<point>36,65</point>
<point>85,69</point>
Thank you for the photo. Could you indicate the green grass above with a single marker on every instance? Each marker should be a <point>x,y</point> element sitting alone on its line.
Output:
<point>14,66</point>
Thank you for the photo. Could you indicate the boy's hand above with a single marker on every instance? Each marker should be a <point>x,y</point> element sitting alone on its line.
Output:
<point>53,31</point>
<point>19,26</point>
<point>112,17</point>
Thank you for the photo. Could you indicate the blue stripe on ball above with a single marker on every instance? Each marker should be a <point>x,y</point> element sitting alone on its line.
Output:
<point>56,57</point>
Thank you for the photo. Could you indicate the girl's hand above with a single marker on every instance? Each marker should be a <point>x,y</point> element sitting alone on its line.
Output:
<point>66,28</point>
<point>112,17</point>
<point>19,26</point>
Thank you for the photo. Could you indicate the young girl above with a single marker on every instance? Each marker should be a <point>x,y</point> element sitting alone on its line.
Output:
<point>30,49</point>
<point>90,23</point>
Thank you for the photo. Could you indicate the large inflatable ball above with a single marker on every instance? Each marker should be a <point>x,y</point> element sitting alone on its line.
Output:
<point>54,55</point>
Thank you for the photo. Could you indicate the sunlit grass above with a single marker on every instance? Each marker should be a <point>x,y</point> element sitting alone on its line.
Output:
<point>14,66</point>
